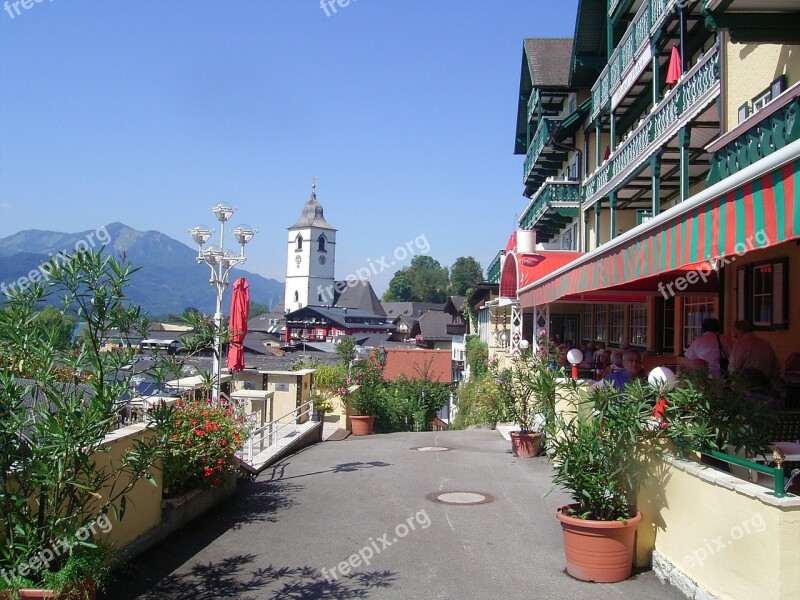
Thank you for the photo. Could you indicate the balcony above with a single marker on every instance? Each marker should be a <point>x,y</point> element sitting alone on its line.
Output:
<point>455,328</point>
<point>768,130</point>
<point>693,93</point>
<point>493,272</point>
<point>555,204</point>
<point>632,55</point>
<point>543,159</point>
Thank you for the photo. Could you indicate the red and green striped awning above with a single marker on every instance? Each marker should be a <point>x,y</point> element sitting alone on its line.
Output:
<point>758,214</point>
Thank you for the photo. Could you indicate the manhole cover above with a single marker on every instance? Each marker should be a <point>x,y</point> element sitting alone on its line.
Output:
<point>460,498</point>
<point>432,449</point>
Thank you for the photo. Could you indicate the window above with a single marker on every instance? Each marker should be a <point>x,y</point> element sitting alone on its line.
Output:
<point>600,323</point>
<point>643,215</point>
<point>694,311</point>
<point>587,322</point>
<point>744,111</point>
<point>616,329</point>
<point>299,243</point>
<point>321,240</point>
<point>637,328</point>
<point>566,240</point>
<point>761,101</point>
<point>297,296</point>
<point>761,294</point>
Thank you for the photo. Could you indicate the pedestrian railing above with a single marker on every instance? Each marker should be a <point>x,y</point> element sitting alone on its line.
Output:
<point>261,438</point>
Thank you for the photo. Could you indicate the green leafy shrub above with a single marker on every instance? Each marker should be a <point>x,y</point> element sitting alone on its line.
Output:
<point>200,440</point>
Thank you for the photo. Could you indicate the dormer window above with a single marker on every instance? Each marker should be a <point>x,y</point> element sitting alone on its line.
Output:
<point>299,243</point>
<point>321,241</point>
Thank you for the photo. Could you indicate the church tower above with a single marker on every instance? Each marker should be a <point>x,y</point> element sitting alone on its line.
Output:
<point>311,258</point>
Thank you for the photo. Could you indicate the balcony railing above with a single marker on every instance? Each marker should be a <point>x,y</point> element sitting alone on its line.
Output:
<point>455,328</point>
<point>692,93</point>
<point>648,20</point>
<point>538,144</point>
<point>533,102</point>
<point>768,130</point>
<point>493,272</point>
<point>552,193</point>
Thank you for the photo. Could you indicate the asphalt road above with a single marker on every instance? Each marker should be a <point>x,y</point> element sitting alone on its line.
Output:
<point>359,509</point>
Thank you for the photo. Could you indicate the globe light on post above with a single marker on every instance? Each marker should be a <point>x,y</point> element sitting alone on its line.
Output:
<point>524,345</point>
<point>220,261</point>
<point>662,378</point>
<point>574,357</point>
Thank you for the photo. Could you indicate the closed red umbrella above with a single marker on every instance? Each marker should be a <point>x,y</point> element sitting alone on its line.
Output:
<point>675,69</point>
<point>240,313</point>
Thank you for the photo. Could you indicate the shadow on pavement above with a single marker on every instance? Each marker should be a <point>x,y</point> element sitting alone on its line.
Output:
<point>232,579</point>
<point>255,502</point>
<point>278,470</point>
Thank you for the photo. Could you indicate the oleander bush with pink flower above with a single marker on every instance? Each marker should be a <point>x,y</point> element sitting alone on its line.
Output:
<point>201,438</point>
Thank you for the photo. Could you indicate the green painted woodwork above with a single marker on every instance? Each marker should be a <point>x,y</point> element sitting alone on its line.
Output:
<point>493,272</point>
<point>559,197</point>
<point>762,139</point>
<point>648,138</point>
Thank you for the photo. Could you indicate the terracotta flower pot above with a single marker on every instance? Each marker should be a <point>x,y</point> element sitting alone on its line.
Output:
<point>361,425</point>
<point>85,591</point>
<point>525,445</point>
<point>600,551</point>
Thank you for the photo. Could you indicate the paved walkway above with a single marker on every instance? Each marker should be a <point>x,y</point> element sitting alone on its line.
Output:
<point>365,498</point>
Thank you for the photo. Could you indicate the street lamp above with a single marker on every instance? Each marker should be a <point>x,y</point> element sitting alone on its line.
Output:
<point>220,261</point>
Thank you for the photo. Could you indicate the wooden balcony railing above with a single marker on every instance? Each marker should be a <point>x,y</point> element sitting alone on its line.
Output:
<point>695,90</point>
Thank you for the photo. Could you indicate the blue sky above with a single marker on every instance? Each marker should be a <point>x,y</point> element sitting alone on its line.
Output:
<point>149,112</point>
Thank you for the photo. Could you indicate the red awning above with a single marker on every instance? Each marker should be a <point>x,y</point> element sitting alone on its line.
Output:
<point>520,270</point>
<point>685,241</point>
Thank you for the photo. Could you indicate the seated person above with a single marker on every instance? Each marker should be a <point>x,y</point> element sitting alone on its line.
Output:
<point>615,363</point>
<point>632,363</point>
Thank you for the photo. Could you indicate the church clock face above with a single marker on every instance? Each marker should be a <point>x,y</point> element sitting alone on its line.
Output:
<point>322,260</point>
<point>298,259</point>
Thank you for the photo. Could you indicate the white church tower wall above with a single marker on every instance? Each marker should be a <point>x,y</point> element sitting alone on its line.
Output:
<point>311,258</point>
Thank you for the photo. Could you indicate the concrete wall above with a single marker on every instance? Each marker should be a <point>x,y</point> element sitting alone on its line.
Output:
<point>709,530</point>
<point>143,511</point>
<point>749,70</point>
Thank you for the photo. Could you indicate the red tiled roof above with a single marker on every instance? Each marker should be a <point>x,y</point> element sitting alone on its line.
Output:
<point>414,364</point>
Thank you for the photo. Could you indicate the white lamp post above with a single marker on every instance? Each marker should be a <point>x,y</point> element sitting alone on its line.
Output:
<point>220,261</point>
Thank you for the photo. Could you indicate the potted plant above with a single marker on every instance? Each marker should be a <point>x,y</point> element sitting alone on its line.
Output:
<point>596,450</point>
<point>524,389</point>
<point>365,386</point>
<point>58,402</point>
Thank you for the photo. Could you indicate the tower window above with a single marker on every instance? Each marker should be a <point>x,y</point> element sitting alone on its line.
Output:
<point>297,296</point>
<point>321,241</point>
<point>299,243</point>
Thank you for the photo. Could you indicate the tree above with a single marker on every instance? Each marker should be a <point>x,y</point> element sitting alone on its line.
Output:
<point>430,281</point>
<point>59,324</point>
<point>257,309</point>
<point>399,288</point>
<point>465,273</point>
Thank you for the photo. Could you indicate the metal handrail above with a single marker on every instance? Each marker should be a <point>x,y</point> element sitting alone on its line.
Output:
<point>271,430</point>
<point>779,490</point>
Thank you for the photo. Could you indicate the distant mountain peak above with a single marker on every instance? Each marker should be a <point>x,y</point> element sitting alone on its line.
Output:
<point>169,281</point>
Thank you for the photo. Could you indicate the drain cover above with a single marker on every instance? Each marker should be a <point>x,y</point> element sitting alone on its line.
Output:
<point>432,449</point>
<point>460,498</point>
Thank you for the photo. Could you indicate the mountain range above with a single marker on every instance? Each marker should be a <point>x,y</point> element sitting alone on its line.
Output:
<point>169,280</point>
